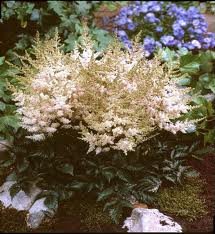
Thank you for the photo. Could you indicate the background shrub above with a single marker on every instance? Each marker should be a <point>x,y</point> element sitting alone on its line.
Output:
<point>198,72</point>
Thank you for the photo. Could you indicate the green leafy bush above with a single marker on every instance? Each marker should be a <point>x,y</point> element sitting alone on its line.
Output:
<point>61,167</point>
<point>9,123</point>
<point>46,16</point>
<point>198,72</point>
<point>204,7</point>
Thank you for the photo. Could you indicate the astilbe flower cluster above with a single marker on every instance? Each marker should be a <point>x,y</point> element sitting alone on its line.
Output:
<point>163,24</point>
<point>116,99</point>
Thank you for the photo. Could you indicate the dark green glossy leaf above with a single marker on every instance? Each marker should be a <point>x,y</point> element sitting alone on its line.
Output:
<point>105,194</point>
<point>51,202</point>
<point>66,168</point>
<point>22,165</point>
<point>190,68</point>
<point>15,188</point>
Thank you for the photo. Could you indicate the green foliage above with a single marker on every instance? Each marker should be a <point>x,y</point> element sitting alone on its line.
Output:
<point>9,123</point>
<point>63,170</point>
<point>204,7</point>
<point>184,201</point>
<point>19,10</point>
<point>46,16</point>
<point>114,5</point>
<point>208,7</point>
<point>198,72</point>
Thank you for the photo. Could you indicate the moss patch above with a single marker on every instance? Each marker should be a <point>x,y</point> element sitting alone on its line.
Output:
<point>184,201</point>
<point>87,216</point>
<point>94,219</point>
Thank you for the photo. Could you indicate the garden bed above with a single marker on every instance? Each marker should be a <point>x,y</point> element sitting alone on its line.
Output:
<point>109,138</point>
<point>85,216</point>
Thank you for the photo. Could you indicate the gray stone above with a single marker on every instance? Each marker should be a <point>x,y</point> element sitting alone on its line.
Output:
<point>150,220</point>
<point>35,219</point>
<point>37,210</point>
<point>37,213</point>
<point>5,197</point>
<point>23,201</point>
<point>39,205</point>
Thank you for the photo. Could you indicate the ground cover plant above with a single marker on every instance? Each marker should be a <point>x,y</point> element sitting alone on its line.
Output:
<point>76,106</point>
<point>185,201</point>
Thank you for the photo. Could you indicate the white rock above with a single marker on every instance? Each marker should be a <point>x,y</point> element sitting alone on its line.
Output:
<point>35,219</point>
<point>39,205</point>
<point>150,220</point>
<point>5,197</point>
<point>37,213</point>
<point>23,201</point>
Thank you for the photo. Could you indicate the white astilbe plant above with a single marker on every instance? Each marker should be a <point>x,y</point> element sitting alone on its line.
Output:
<point>48,90</point>
<point>116,98</point>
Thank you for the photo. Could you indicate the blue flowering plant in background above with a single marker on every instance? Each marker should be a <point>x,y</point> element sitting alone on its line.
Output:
<point>163,24</point>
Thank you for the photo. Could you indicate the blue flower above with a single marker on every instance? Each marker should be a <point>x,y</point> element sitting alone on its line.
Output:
<point>156,8</point>
<point>178,32</point>
<point>168,40</point>
<point>196,44</point>
<point>185,28</point>
<point>193,11</point>
<point>121,33</point>
<point>189,45</point>
<point>131,26</point>
<point>196,22</point>
<point>121,21</point>
<point>149,45</point>
<point>143,8</point>
<point>150,17</point>
<point>182,23</point>
<point>159,29</point>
